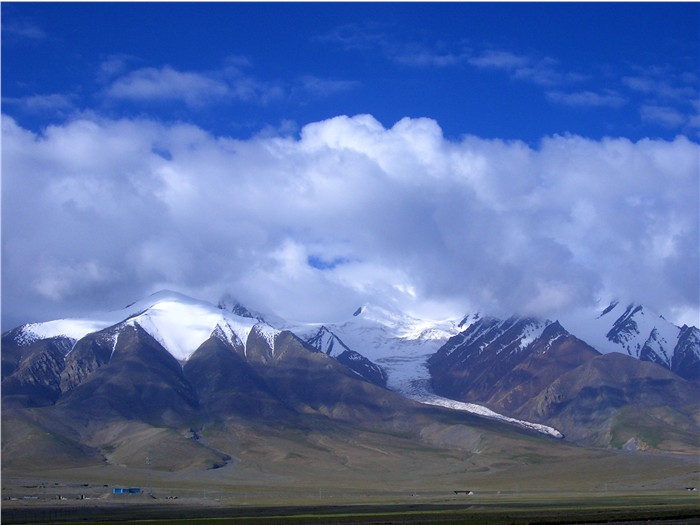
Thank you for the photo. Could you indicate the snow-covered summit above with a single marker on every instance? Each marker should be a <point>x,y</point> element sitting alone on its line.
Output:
<point>178,322</point>
<point>398,342</point>
<point>379,332</point>
<point>638,331</point>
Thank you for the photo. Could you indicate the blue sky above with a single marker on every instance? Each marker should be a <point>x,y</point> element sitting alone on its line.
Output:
<point>518,71</point>
<point>310,157</point>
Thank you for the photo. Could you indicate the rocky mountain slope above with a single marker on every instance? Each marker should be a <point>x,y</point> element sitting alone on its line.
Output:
<point>540,372</point>
<point>170,361</point>
<point>181,375</point>
<point>641,333</point>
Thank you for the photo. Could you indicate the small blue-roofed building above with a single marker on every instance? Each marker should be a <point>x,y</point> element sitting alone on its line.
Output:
<point>124,490</point>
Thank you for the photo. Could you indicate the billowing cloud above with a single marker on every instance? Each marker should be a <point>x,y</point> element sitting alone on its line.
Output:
<point>100,212</point>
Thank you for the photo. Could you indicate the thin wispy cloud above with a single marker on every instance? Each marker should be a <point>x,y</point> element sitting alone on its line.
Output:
<point>428,58</point>
<point>200,89</point>
<point>669,98</point>
<point>543,71</point>
<point>114,66</point>
<point>663,88</point>
<point>356,37</point>
<point>586,99</point>
<point>324,87</point>
<point>664,115</point>
<point>54,103</point>
<point>166,83</point>
<point>377,39</point>
<point>22,28</point>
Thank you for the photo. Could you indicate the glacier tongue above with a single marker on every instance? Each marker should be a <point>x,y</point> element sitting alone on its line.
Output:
<point>486,412</point>
<point>409,377</point>
<point>401,345</point>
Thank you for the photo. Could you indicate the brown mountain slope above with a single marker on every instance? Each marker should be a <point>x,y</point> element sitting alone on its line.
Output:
<point>617,400</point>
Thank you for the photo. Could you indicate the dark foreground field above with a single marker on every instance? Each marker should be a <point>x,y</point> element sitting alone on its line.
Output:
<point>490,508</point>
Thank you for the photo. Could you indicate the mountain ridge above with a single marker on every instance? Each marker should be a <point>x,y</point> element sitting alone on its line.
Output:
<point>498,368</point>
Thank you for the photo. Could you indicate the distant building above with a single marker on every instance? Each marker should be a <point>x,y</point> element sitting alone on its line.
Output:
<point>124,490</point>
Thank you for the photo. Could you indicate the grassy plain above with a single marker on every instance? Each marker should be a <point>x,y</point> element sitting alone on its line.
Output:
<point>336,473</point>
<point>479,508</point>
<point>590,487</point>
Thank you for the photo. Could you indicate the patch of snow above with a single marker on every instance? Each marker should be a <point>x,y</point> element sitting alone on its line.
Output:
<point>237,328</point>
<point>268,333</point>
<point>532,331</point>
<point>552,341</point>
<point>74,329</point>
<point>114,344</point>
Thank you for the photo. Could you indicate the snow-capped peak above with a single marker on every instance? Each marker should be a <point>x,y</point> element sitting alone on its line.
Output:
<point>398,342</point>
<point>631,329</point>
<point>180,326</point>
<point>178,322</point>
<point>402,325</point>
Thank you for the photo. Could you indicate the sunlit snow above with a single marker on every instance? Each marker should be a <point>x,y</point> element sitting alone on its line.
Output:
<point>401,345</point>
<point>179,323</point>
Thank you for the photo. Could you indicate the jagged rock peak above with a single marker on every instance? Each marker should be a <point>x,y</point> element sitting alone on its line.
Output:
<point>230,304</point>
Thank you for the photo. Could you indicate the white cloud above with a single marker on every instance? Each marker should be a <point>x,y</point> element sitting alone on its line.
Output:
<point>23,28</point>
<point>541,71</point>
<point>199,89</point>
<point>52,102</point>
<point>59,280</point>
<point>166,83</point>
<point>666,116</point>
<point>680,90</point>
<point>587,98</point>
<point>405,215</point>
<point>325,87</point>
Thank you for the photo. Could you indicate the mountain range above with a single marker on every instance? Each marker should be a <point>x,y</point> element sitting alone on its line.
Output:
<point>176,370</point>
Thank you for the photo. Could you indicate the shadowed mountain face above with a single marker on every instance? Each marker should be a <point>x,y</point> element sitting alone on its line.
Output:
<point>470,363</point>
<point>227,384</point>
<point>31,374</point>
<point>140,381</point>
<point>123,371</point>
<point>615,399</point>
<point>686,356</point>
<point>554,353</point>
<point>330,344</point>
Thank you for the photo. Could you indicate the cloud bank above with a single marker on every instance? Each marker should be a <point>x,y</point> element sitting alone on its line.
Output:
<point>98,213</point>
